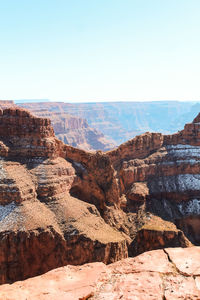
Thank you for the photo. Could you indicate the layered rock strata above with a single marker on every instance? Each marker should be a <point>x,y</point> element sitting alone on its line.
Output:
<point>61,205</point>
<point>41,225</point>
<point>74,131</point>
<point>160,174</point>
<point>121,121</point>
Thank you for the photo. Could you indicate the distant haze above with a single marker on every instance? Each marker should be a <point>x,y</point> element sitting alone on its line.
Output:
<point>30,100</point>
<point>121,121</point>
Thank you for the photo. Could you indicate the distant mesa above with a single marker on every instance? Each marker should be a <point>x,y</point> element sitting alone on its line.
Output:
<point>121,121</point>
<point>31,101</point>
<point>70,129</point>
<point>6,103</point>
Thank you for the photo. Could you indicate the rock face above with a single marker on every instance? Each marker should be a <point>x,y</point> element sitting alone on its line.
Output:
<point>41,225</point>
<point>157,233</point>
<point>160,174</point>
<point>61,205</point>
<point>74,131</point>
<point>121,121</point>
<point>159,274</point>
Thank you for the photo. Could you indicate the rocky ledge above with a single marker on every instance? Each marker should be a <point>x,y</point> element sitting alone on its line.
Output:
<point>169,274</point>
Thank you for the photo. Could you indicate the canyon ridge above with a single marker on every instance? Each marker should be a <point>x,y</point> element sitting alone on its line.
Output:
<point>121,121</point>
<point>61,205</point>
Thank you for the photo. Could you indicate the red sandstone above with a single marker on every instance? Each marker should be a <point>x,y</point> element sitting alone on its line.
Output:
<point>61,205</point>
<point>158,274</point>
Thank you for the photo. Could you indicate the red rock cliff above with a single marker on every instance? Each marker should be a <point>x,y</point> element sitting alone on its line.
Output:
<point>61,205</point>
<point>41,225</point>
<point>73,130</point>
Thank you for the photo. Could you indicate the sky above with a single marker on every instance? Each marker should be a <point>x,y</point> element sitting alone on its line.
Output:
<point>100,50</point>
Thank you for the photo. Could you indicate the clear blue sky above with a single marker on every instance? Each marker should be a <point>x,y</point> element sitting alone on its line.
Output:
<point>98,50</point>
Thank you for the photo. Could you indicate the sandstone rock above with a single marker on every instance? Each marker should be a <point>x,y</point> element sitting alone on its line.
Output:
<point>61,205</point>
<point>158,274</point>
<point>74,131</point>
<point>185,260</point>
<point>162,172</point>
<point>61,232</point>
<point>138,192</point>
<point>156,234</point>
<point>41,225</point>
<point>121,121</point>
<point>139,147</point>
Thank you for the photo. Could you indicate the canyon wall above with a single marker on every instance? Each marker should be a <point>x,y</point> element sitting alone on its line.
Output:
<point>121,121</point>
<point>73,130</point>
<point>61,205</point>
<point>42,225</point>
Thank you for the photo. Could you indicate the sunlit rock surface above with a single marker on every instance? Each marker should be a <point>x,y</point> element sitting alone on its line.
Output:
<point>61,205</point>
<point>171,273</point>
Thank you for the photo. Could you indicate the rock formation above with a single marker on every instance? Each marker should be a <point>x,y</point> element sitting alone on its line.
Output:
<point>73,130</point>
<point>41,225</point>
<point>160,175</point>
<point>61,205</point>
<point>76,132</point>
<point>156,275</point>
<point>121,121</point>
<point>7,103</point>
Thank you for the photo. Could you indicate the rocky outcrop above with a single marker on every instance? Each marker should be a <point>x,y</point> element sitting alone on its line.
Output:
<point>24,135</point>
<point>139,147</point>
<point>160,174</point>
<point>157,233</point>
<point>159,274</point>
<point>41,225</point>
<point>35,237</point>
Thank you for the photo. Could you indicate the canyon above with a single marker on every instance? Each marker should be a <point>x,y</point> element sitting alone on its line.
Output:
<point>60,205</point>
<point>121,121</point>
<point>42,225</point>
<point>73,130</point>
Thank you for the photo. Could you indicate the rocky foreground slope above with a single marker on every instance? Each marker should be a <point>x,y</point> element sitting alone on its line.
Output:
<point>61,205</point>
<point>169,274</point>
